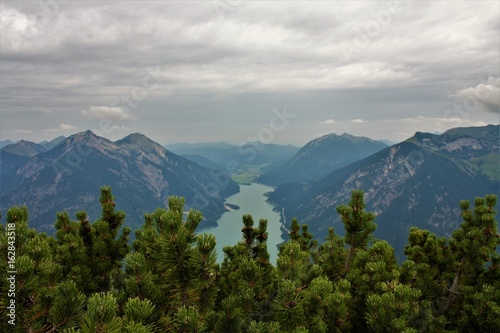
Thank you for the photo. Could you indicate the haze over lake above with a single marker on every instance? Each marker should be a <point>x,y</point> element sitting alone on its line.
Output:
<point>252,200</point>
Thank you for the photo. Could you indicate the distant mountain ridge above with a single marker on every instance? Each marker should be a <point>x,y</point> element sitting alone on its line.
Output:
<point>141,172</point>
<point>321,156</point>
<point>4,143</point>
<point>226,155</point>
<point>14,154</point>
<point>418,182</point>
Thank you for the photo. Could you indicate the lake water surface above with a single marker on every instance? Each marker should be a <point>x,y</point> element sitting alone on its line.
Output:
<point>251,200</point>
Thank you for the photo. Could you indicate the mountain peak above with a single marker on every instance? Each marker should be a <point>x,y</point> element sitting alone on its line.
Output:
<point>86,138</point>
<point>83,136</point>
<point>141,141</point>
<point>24,148</point>
<point>137,138</point>
<point>321,156</point>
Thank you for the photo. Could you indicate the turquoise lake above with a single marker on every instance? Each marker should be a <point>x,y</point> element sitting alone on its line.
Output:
<point>252,200</point>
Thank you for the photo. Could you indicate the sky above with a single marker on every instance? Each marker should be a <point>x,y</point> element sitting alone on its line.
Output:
<point>281,72</point>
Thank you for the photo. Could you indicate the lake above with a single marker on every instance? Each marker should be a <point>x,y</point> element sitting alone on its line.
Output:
<point>251,200</point>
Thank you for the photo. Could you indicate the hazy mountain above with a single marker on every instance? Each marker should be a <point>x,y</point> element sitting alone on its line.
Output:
<point>142,175</point>
<point>24,148</point>
<point>203,161</point>
<point>48,145</point>
<point>321,156</point>
<point>17,153</point>
<point>188,147</point>
<point>388,142</point>
<point>228,156</point>
<point>418,182</point>
<point>4,143</point>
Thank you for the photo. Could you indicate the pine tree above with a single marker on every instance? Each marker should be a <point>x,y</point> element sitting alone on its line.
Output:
<point>86,279</point>
<point>456,276</point>
<point>358,225</point>
<point>174,267</point>
<point>474,246</point>
<point>332,256</point>
<point>28,257</point>
<point>247,274</point>
<point>105,251</point>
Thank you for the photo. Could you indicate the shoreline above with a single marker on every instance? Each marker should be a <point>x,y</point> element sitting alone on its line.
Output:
<point>231,207</point>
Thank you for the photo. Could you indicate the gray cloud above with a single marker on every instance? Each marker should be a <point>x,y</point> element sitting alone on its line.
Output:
<point>223,66</point>
<point>62,128</point>
<point>483,97</point>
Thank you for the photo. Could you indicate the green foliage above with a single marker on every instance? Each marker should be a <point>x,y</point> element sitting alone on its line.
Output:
<point>358,225</point>
<point>88,279</point>
<point>394,310</point>
<point>138,315</point>
<point>68,305</point>
<point>101,315</point>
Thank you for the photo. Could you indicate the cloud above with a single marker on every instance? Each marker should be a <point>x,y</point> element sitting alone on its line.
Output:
<point>218,64</point>
<point>484,97</point>
<point>21,131</point>
<point>107,112</point>
<point>61,128</point>
<point>358,121</point>
<point>113,128</point>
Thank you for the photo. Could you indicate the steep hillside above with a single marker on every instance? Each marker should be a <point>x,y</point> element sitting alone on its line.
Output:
<point>142,175</point>
<point>414,183</point>
<point>321,156</point>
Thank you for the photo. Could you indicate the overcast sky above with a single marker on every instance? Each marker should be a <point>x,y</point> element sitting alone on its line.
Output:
<point>281,72</point>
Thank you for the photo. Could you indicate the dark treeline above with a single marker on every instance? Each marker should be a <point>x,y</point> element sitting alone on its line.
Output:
<point>90,278</point>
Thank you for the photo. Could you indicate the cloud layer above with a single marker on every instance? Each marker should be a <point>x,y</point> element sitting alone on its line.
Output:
<point>201,71</point>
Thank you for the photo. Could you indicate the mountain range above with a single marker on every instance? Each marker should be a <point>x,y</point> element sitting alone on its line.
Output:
<point>141,173</point>
<point>229,157</point>
<point>320,157</point>
<point>418,182</point>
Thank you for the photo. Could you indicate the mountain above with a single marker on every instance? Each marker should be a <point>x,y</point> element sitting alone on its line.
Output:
<point>17,153</point>
<point>418,182</point>
<point>141,172</point>
<point>203,161</point>
<point>231,156</point>
<point>4,143</point>
<point>189,147</point>
<point>48,145</point>
<point>24,148</point>
<point>321,156</point>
